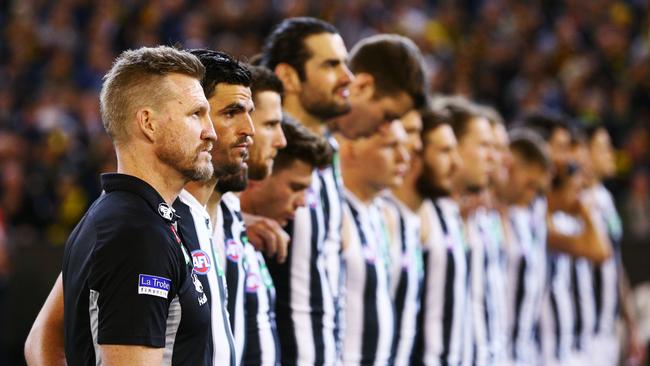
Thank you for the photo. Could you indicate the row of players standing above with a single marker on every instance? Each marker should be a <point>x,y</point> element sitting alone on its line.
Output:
<point>406,251</point>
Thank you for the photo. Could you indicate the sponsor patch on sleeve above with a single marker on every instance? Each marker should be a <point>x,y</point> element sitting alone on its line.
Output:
<point>153,285</point>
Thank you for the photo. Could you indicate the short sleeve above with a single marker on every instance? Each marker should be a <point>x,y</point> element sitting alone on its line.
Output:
<point>135,275</point>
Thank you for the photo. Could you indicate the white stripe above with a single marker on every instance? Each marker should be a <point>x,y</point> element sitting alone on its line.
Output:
<point>93,310</point>
<point>173,322</point>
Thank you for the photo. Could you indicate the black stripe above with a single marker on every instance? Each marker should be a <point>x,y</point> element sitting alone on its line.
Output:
<point>316,294</point>
<point>578,325</point>
<point>519,299</point>
<point>449,296</point>
<point>598,294</point>
<point>253,345</point>
<point>281,274</point>
<point>232,270</point>
<point>555,308</point>
<point>370,336</point>
<point>402,287</point>
<point>417,354</point>
<point>448,306</point>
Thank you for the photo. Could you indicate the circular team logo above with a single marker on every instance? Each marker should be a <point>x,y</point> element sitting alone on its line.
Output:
<point>165,211</point>
<point>252,282</point>
<point>201,261</point>
<point>233,250</point>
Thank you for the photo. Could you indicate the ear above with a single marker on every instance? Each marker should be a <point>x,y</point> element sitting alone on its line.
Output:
<point>146,124</point>
<point>289,77</point>
<point>363,86</point>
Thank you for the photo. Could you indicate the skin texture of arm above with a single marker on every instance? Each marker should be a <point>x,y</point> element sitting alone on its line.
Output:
<point>44,345</point>
<point>590,244</point>
<point>130,355</point>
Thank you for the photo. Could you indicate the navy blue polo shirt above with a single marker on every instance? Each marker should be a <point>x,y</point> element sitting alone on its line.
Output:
<point>128,279</point>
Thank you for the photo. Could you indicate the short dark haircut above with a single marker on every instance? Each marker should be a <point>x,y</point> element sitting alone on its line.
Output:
<point>303,145</point>
<point>460,112</point>
<point>395,63</point>
<point>528,145</point>
<point>286,43</point>
<point>431,120</point>
<point>135,78</point>
<point>544,122</point>
<point>264,79</point>
<point>220,67</point>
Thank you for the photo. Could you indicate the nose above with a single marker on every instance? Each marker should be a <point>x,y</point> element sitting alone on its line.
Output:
<point>208,132</point>
<point>301,200</point>
<point>280,141</point>
<point>345,75</point>
<point>247,127</point>
<point>403,154</point>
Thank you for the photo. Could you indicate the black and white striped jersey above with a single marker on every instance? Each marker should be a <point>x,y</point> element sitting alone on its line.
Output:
<point>368,337</point>
<point>606,275</point>
<point>197,230</point>
<point>230,232</point>
<point>526,280</point>
<point>560,316</point>
<point>262,345</point>
<point>308,304</point>
<point>488,287</point>
<point>406,274</point>
<point>444,333</point>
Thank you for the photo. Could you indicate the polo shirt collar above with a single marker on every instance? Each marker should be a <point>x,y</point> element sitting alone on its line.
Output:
<point>124,182</point>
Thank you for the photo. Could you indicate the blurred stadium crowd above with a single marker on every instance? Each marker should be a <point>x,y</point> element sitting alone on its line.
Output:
<point>590,59</point>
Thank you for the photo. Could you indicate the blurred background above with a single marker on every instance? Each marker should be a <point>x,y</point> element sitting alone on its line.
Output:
<point>590,59</point>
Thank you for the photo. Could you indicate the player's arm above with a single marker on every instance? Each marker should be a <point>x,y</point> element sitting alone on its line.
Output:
<point>635,350</point>
<point>267,236</point>
<point>44,345</point>
<point>130,355</point>
<point>591,243</point>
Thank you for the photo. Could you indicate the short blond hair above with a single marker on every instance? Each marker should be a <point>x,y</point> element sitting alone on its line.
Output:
<point>136,79</point>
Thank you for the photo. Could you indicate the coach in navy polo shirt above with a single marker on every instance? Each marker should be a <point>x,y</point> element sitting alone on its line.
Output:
<point>131,297</point>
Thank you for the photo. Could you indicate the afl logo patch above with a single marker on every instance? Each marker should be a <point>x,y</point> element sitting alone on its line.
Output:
<point>233,250</point>
<point>252,282</point>
<point>165,211</point>
<point>201,261</point>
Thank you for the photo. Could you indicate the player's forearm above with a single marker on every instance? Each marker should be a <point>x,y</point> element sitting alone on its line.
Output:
<point>43,347</point>
<point>44,344</point>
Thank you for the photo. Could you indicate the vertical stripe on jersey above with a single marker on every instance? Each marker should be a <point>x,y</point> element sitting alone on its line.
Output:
<point>575,293</point>
<point>519,300</point>
<point>316,298</point>
<point>402,285</point>
<point>253,344</point>
<point>418,344</point>
<point>370,337</point>
<point>449,293</point>
<point>232,270</point>
<point>598,295</point>
<point>282,279</point>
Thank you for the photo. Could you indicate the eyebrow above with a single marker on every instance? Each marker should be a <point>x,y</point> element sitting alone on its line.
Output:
<point>237,107</point>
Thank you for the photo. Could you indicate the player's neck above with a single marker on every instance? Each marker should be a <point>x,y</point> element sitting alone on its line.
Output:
<point>213,205</point>
<point>409,196</point>
<point>167,181</point>
<point>363,192</point>
<point>294,108</point>
<point>201,190</point>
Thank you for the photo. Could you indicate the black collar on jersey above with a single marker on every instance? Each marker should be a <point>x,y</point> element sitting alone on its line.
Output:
<point>123,182</point>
